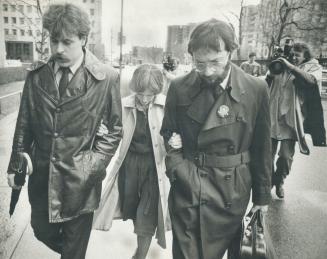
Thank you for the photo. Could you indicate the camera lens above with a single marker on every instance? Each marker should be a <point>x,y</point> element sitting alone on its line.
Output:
<point>276,67</point>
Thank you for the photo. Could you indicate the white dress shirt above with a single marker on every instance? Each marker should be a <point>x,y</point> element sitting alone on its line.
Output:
<point>72,69</point>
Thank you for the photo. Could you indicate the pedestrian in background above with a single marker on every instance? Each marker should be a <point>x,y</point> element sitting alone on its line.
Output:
<point>63,103</point>
<point>295,109</point>
<point>137,172</point>
<point>251,66</point>
<point>222,116</point>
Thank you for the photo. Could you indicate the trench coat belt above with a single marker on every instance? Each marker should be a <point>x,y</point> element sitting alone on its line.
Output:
<point>202,159</point>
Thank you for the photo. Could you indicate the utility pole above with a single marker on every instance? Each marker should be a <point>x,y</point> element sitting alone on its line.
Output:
<point>111,39</point>
<point>121,38</point>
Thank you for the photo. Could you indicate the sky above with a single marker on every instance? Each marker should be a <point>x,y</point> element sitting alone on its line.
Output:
<point>146,21</point>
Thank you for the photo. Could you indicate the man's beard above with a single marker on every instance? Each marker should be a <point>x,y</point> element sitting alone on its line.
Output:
<point>216,79</point>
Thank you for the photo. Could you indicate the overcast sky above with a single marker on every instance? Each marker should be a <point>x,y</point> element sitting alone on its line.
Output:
<point>146,21</point>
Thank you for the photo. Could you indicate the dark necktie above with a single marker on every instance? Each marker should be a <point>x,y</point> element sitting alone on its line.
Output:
<point>64,80</point>
<point>217,91</point>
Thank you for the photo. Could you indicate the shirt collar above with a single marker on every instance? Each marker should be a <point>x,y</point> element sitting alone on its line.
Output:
<point>73,68</point>
<point>224,83</point>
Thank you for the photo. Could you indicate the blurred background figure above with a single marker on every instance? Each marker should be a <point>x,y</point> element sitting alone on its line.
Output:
<point>251,66</point>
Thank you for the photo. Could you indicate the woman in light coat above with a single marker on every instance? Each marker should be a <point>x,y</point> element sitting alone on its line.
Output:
<point>137,187</point>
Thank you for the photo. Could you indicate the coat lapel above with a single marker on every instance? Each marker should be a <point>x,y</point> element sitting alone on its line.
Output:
<point>201,101</point>
<point>48,83</point>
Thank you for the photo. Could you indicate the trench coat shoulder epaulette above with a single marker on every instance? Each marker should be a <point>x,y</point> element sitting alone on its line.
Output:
<point>36,65</point>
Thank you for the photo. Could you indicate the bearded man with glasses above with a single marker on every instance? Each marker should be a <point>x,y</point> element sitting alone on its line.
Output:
<point>222,117</point>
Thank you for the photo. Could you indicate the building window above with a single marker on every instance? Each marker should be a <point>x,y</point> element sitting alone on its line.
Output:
<point>92,11</point>
<point>5,7</point>
<point>21,20</point>
<point>30,32</point>
<point>13,20</point>
<point>14,31</point>
<point>30,20</point>
<point>38,33</point>
<point>92,1</point>
<point>38,21</point>
<point>22,32</point>
<point>29,8</point>
<point>6,32</point>
<point>84,1</point>
<point>5,19</point>
<point>13,8</point>
<point>21,8</point>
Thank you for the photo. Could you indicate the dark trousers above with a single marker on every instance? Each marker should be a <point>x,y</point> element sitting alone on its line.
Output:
<point>284,161</point>
<point>70,238</point>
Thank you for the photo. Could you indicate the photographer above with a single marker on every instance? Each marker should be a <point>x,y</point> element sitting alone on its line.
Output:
<point>295,108</point>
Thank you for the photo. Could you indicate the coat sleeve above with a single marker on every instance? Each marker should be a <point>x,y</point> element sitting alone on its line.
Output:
<point>261,159</point>
<point>106,145</point>
<point>169,126</point>
<point>23,137</point>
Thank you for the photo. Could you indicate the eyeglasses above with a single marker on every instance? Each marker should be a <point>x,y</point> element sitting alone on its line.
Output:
<point>201,66</point>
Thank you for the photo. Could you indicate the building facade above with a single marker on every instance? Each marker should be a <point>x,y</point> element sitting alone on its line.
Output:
<point>249,21</point>
<point>261,23</point>
<point>142,55</point>
<point>177,40</point>
<point>22,29</point>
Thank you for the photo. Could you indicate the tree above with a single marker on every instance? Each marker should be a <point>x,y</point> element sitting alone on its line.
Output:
<point>286,19</point>
<point>41,37</point>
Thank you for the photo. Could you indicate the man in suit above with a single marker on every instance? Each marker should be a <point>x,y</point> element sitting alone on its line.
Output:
<point>64,101</point>
<point>222,116</point>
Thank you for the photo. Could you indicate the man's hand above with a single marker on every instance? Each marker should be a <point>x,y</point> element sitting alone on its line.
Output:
<point>287,63</point>
<point>175,141</point>
<point>11,182</point>
<point>263,208</point>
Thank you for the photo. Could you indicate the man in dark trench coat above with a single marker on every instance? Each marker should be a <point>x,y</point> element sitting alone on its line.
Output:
<point>222,116</point>
<point>64,101</point>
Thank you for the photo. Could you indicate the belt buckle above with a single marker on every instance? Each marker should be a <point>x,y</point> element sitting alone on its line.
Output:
<point>200,158</point>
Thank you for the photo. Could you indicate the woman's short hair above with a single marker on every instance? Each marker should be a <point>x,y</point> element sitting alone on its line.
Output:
<point>66,18</point>
<point>147,76</point>
<point>304,48</point>
<point>209,35</point>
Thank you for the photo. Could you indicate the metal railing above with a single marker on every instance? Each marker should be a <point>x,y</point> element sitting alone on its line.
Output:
<point>10,95</point>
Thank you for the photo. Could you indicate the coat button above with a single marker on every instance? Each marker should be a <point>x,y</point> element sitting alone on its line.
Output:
<point>153,127</point>
<point>228,177</point>
<point>53,159</point>
<point>56,135</point>
<point>156,145</point>
<point>203,175</point>
<point>228,205</point>
<point>58,110</point>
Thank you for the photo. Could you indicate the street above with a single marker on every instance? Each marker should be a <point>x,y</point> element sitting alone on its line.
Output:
<point>297,224</point>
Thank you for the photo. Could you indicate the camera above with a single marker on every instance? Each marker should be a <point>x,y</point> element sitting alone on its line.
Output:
<point>169,64</point>
<point>276,66</point>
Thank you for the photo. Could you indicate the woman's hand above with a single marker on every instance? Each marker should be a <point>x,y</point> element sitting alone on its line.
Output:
<point>102,130</point>
<point>175,141</point>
